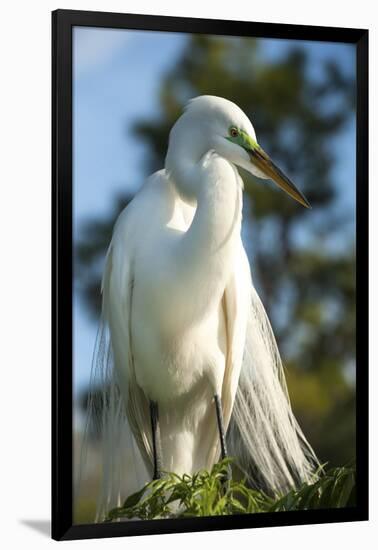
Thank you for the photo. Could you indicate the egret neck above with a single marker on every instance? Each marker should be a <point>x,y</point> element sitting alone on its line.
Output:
<point>205,253</point>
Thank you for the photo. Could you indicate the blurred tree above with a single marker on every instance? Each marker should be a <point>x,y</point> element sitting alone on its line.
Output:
<point>306,283</point>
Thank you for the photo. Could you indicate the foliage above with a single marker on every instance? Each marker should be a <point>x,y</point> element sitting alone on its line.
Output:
<point>211,494</point>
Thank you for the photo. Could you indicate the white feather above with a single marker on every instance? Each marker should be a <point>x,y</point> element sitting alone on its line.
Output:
<point>185,322</point>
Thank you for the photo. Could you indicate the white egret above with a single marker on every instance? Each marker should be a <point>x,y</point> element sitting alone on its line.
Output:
<point>191,362</point>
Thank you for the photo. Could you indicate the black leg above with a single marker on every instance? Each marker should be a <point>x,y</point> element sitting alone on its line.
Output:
<point>222,435</point>
<point>156,441</point>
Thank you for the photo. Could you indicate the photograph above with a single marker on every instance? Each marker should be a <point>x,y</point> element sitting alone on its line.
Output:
<point>214,274</point>
<point>190,285</point>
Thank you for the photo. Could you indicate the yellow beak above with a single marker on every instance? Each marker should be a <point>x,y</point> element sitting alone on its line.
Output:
<point>262,161</point>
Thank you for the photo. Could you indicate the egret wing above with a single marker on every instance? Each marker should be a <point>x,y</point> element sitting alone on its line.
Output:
<point>235,305</point>
<point>123,415</point>
<point>118,286</point>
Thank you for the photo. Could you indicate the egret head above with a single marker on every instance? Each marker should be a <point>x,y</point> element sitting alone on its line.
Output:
<point>214,123</point>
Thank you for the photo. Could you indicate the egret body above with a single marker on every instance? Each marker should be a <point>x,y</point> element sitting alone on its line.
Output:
<point>192,363</point>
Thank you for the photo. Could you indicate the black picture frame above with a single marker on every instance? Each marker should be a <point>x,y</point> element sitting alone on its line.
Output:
<point>62,469</point>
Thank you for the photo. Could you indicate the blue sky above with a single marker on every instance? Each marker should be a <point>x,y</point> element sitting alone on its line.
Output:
<point>117,74</point>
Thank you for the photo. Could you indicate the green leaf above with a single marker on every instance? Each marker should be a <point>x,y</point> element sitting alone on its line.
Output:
<point>206,494</point>
<point>133,499</point>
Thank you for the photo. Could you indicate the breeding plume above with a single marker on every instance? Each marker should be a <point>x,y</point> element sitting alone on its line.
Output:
<point>186,354</point>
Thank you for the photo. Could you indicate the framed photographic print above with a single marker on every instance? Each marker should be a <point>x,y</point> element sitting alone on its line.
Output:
<point>210,187</point>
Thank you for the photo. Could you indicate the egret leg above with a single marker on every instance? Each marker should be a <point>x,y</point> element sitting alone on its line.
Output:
<point>222,435</point>
<point>156,440</point>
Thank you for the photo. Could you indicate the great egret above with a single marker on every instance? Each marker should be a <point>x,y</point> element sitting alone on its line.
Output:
<point>191,367</point>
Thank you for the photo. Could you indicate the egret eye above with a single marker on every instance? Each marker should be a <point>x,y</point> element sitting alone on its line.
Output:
<point>234,132</point>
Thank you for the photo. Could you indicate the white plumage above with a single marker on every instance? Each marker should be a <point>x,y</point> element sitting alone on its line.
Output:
<point>182,321</point>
